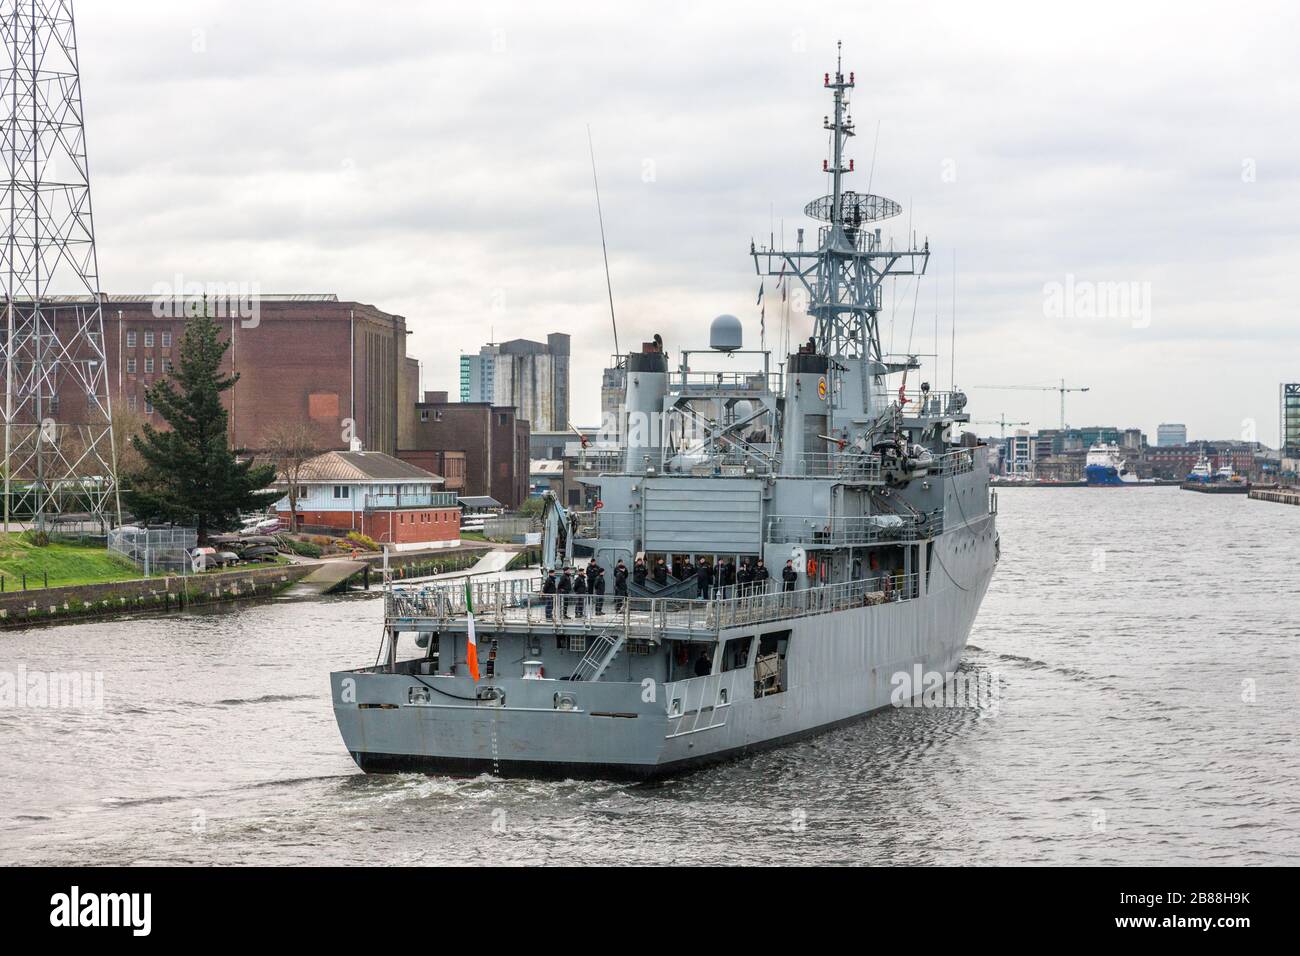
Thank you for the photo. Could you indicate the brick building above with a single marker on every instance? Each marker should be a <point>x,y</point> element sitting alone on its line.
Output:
<point>390,500</point>
<point>339,367</point>
<point>1176,461</point>
<point>493,439</point>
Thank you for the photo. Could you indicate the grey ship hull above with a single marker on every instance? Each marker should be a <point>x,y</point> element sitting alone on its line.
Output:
<point>841,666</point>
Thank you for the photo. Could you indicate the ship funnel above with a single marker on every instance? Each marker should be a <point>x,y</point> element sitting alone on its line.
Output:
<point>647,384</point>
<point>725,334</point>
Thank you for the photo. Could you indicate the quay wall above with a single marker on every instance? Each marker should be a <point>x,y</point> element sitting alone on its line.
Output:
<point>1283,496</point>
<point>25,608</point>
<point>1213,488</point>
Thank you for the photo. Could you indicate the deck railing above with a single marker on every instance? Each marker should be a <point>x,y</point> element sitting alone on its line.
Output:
<point>852,529</point>
<point>954,462</point>
<point>606,524</point>
<point>851,465</point>
<point>520,603</point>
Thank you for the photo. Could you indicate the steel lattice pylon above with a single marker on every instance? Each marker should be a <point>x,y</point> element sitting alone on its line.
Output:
<point>59,454</point>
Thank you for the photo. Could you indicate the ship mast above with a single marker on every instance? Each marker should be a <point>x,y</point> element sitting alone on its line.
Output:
<point>844,274</point>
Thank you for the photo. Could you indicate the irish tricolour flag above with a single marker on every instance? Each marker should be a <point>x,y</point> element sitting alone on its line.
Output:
<point>471,651</point>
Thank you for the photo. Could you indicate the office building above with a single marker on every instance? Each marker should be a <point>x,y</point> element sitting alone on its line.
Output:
<point>1169,435</point>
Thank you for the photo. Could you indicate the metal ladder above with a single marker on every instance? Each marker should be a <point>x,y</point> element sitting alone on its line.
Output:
<point>604,648</point>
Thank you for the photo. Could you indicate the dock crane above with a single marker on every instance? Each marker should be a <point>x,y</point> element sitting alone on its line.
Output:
<point>1002,423</point>
<point>1044,388</point>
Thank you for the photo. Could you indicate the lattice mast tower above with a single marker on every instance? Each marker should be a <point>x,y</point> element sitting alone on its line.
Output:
<point>59,453</point>
<point>844,274</point>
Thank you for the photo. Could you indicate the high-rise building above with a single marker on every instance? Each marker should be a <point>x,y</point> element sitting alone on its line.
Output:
<point>1289,419</point>
<point>1021,449</point>
<point>530,377</point>
<point>613,395</point>
<point>476,376</point>
<point>1169,435</point>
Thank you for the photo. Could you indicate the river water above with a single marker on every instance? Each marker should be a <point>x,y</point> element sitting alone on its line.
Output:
<point>1145,641</point>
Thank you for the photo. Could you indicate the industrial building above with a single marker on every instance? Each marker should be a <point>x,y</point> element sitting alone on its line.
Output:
<point>492,439</point>
<point>530,377</point>
<point>339,367</point>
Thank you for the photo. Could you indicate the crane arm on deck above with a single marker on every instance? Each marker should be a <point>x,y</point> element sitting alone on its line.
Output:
<point>556,521</point>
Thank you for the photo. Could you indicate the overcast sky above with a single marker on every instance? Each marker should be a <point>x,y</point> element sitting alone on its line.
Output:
<point>432,159</point>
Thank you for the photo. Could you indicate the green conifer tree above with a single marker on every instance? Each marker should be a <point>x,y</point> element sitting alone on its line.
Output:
<point>190,474</point>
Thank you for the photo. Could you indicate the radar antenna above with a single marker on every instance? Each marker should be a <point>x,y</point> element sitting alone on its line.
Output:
<point>843,275</point>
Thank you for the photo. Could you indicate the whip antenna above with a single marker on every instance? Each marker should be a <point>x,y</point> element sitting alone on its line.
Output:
<point>604,251</point>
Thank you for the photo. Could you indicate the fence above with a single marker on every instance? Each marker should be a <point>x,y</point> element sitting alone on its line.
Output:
<point>155,549</point>
<point>508,526</point>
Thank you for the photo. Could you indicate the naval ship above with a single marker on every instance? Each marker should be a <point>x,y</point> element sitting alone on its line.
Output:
<point>864,498</point>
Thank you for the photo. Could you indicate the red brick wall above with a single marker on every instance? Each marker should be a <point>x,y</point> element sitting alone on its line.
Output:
<point>494,442</point>
<point>447,465</point>
<point>396,526</point>
<point>299,364</point>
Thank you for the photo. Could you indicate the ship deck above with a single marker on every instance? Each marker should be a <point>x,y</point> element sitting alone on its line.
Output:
<point>518,607</point>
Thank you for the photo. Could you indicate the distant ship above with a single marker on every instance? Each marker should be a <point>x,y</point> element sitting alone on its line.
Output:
<point>1202,470</point>
<point>1205,473</point>
<point>1105,466</point>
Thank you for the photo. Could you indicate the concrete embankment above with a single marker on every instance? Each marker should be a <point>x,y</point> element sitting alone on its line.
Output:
<point>25,608</point>
<point>329,576</point>
<point>1282,496</point>
<point>1216,488</point>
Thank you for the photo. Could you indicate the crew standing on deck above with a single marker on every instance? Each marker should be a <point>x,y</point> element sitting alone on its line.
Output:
<point>620,585</point>
<point>661,572</point>
<point>580,594</point>
<point>745,576</point>
<point>592,569</point>
<point>726,574</point>
<point>548,588</point>
<point>760,577</point>
<point>789,575</point>
<point>704,575</point>
<point>639,572</point>
<point>598,589</point>
<point>564,587</point>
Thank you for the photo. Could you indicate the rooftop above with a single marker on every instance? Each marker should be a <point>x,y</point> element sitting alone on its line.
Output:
<point>359,466</point>
<point>143,298</point>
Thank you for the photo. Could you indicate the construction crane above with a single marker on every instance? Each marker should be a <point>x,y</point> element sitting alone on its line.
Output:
<point>1002,423</point>
<point>1044,388</point>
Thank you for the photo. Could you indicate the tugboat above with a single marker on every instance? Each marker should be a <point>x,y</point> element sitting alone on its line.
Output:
<point>827,535</point>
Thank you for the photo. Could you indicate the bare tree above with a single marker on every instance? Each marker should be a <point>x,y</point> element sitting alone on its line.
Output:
<point>290,447</point>
<point>126,425</point>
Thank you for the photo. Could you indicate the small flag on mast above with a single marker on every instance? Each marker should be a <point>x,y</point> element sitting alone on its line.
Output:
<point>471,649</point>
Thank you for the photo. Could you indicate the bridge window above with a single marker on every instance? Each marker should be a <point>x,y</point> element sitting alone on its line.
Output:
<point>735,654</point>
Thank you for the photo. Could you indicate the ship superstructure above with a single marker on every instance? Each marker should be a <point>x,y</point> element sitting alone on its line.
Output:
<point>1105,465</point>
<point>869,511</point>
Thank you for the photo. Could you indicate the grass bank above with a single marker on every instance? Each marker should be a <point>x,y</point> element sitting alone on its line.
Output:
<point>64,564</point>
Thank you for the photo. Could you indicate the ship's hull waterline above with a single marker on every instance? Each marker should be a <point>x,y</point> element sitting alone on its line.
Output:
<point>840,667</point>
